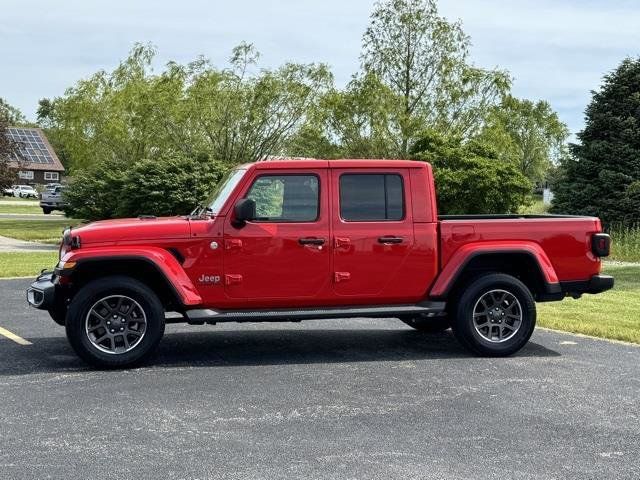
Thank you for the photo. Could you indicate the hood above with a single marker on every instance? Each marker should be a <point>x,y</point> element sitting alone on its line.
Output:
<point>133,229</point>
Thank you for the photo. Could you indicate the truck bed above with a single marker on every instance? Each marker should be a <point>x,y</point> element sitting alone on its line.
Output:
<point>566,239</point>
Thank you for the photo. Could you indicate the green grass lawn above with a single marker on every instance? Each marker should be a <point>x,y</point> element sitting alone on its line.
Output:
<point>19,264</point>
<point>19,205</point>
<point>5,208</point>
<point>46,231</point>
<point>614,314</point>
<point>18,199</point>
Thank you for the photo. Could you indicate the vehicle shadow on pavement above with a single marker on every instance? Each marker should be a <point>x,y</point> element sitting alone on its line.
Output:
<point>261,347</point>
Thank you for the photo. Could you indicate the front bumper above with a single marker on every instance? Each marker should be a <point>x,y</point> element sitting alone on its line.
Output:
<point>41,294</point>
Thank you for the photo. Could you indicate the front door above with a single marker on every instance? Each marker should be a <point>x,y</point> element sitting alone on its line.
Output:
<point>284,253</point>
<point>373,235</point>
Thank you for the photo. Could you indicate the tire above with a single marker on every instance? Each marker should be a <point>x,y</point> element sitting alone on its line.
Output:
<point>494,330</point>
<point>46,211</point>
<point>92,316</point>
<point>428,324</point>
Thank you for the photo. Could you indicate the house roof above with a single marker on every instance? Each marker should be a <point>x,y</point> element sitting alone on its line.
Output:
<point>35,150</point>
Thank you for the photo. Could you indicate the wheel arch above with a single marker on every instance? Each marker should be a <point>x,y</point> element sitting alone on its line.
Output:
<point>528,263</point>
<point>162,272</point>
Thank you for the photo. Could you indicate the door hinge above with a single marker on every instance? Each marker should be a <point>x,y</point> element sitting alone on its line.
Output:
<point>341,276</point>
<point>232,279</point>
<point>232,243</point>
<point>342,242</point>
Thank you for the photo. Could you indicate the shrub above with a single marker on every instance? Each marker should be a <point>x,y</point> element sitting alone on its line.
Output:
<point>171,185</point>
<point>470,179</point>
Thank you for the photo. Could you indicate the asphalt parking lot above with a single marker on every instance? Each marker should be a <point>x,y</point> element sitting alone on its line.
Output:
<point>320,399</point>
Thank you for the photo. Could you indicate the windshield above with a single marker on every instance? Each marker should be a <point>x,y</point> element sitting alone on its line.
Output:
<point>222,191</point>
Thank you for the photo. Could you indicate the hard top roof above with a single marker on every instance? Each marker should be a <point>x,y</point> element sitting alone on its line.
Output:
<point>340,163</point>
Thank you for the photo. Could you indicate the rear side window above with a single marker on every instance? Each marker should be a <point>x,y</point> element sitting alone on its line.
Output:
<point>286,198</point>
<point>371,197</point>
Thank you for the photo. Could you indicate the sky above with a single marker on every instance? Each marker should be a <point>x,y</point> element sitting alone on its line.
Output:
<point>554,50</point>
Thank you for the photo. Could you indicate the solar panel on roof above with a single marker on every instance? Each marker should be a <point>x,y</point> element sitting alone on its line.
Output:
<point>32,146</point>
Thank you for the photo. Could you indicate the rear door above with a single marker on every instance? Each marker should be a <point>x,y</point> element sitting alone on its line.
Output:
<point>372,234</point>
<point>283,255</point>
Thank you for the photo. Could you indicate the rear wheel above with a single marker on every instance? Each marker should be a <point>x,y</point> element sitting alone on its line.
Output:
<point>495,315</point>
<point>46,211</point>
<point>428,324</point>
<point>115,322</point>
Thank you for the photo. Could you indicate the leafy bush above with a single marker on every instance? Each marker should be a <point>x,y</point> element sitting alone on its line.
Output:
<point>470,179</point>
<point>171,185</point>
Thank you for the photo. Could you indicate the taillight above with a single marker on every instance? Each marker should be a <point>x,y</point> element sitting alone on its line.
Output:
<point>600,244</point>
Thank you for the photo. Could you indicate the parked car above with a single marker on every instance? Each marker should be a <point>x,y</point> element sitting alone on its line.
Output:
<point>310,239</point>
<point>8,192</point>
<point>25,191</point>
<point>51,200</point>
<point>50,187</point>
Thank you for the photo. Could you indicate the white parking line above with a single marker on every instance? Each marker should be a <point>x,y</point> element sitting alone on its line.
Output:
<point>12,336</point>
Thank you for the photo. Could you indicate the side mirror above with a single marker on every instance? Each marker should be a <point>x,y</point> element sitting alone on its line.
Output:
<point>244,211</point>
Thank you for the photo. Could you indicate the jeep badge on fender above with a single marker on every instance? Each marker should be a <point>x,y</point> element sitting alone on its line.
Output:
<point>209,279</point>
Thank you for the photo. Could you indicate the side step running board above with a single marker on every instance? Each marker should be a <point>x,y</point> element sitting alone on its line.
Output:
<point>199,316</point>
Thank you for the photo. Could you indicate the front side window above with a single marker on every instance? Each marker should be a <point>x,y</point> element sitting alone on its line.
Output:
<point>371,197</point>
<point>286,198</point>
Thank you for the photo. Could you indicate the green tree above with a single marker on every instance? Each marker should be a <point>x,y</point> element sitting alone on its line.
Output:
<point>529,131</point>
<point>365,119</point>
<point>470,179</point>
<point>601,174</point>
<point>230,114</point>
<point>423,59</point>
<point>240,117</point>
<point>123,115</point>
<point>12,115</point>
<point>8,153</point>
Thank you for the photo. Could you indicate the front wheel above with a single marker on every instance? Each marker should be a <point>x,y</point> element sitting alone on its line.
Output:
<point>115,322</point>
<point>495,315</point>
<point>46,211</point>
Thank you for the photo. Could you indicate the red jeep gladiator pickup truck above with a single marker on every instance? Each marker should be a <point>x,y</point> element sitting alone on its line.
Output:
<point>290,240</point>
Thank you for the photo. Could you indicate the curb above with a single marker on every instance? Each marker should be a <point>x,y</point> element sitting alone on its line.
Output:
<point>590,337</point>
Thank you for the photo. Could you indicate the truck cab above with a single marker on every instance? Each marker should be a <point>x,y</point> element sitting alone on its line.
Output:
<point>291,240</point>
<point>319,233</point>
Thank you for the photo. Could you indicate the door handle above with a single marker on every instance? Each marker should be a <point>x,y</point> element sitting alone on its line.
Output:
<point>311,241</point>
<point>389,240</point>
